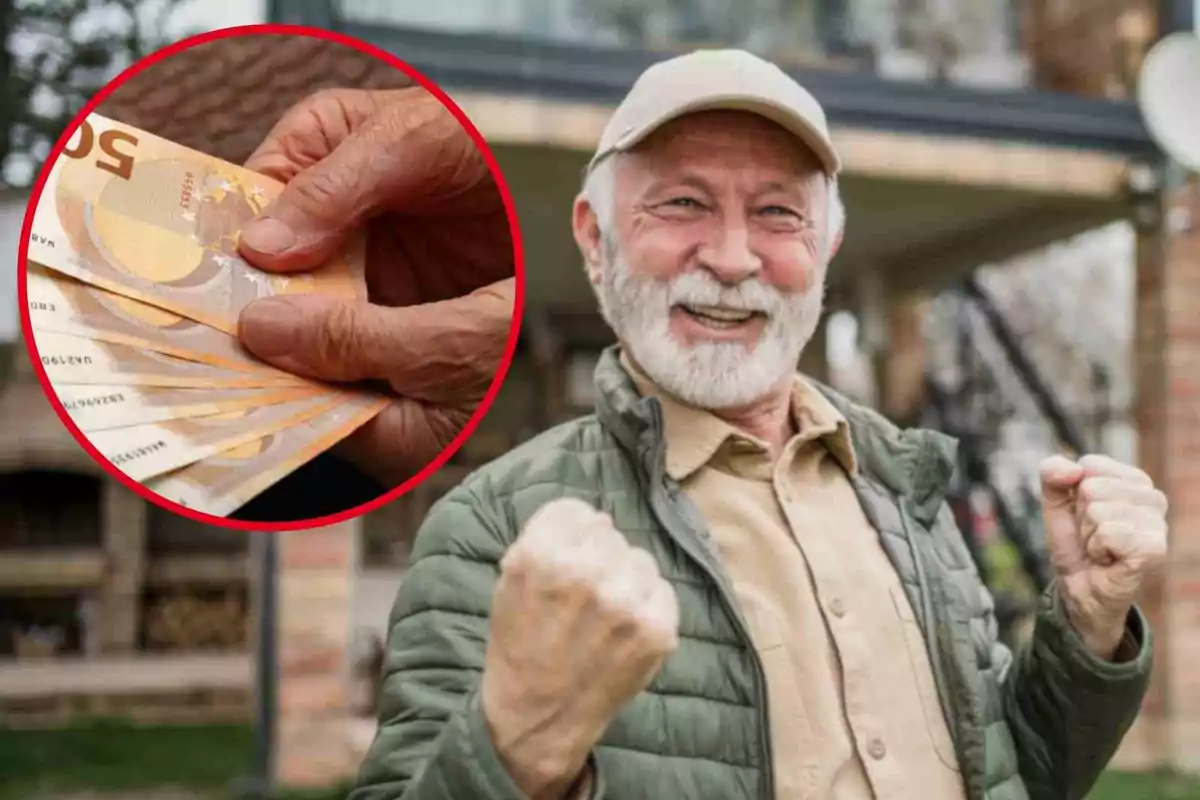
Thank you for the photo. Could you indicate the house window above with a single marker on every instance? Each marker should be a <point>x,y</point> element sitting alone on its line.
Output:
<point>47,509</point>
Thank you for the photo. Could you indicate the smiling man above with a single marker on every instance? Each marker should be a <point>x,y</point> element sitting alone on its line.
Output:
<point>731,582</point>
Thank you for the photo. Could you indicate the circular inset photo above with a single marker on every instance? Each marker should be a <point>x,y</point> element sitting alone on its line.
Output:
<point>270,280</point>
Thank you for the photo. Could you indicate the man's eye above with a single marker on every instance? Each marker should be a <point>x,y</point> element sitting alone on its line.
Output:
<point>685,202</point>
<point>779,210</point>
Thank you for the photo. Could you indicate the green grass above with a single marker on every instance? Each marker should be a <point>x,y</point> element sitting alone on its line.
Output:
<point>1159,786</point>
<point>117,757</point>
<point>112,756</point>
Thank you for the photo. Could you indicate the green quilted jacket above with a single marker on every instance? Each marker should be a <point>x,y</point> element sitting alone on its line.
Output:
<point>1037,726</point>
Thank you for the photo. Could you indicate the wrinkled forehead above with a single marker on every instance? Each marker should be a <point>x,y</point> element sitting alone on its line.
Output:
<point>726,138</point>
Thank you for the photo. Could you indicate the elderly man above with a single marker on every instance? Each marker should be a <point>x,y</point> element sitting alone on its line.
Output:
<point>730,582</point>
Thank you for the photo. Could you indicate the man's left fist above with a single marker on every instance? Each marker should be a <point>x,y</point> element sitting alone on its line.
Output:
<point>1106,526</point>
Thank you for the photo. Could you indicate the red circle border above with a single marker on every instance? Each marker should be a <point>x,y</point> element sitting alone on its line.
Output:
<point>514,326</point>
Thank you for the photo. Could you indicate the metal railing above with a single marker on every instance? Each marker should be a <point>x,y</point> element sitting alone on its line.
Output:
<point>973,409</point>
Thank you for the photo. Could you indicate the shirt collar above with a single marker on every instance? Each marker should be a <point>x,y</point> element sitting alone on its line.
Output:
<point>694,435</point>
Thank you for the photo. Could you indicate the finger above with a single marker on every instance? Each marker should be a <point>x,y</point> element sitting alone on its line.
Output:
<point>402,439</point>
<point>1105,466</point>
<point>408,155</point>
<point>551,527</point>
<point>1059,477</point>
<point>312,128</point>
<point>662,615</point>
<point>1130,543</point>
<point>446,352</point>
<point>1097,515</point>
<point>1096,489</point>
<point>1111,542</point>
<point>600,547</point>
<point>642,564</point>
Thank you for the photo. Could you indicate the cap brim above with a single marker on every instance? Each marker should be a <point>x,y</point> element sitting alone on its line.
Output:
<point>787,118</point>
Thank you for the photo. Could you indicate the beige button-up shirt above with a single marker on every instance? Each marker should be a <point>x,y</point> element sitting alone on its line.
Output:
<point>854,711</point>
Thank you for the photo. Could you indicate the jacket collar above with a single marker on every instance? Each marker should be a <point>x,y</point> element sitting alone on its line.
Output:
<point>915,464</point>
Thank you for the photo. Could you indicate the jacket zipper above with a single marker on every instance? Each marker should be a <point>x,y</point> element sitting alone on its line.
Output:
<point>662,504</point>
<point>936,654</point>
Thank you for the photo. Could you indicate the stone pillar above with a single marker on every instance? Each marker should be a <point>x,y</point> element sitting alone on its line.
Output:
<point>317,570</point>
<point>1167,353</point>
<point>902,372</point>
<point>871,308</point>
<point>118,602</point>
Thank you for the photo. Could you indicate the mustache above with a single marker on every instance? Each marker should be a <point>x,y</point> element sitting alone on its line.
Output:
<point>701,289</point>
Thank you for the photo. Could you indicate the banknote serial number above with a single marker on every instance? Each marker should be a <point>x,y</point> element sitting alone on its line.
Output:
<point>138,452</point>
<point>94,402</point>
<point>66,361</point>
<point>189,188</point>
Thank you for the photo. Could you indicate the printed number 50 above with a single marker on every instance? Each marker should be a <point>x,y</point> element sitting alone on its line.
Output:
<point>121,164</point>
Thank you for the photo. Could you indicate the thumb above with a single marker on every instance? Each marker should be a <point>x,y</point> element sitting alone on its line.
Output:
<point>412,153</point>
<point>1059,476</point>
<point>311,219</point>
<point>443,352</point>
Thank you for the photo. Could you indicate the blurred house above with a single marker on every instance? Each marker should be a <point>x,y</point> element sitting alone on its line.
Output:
<point>974,134</point>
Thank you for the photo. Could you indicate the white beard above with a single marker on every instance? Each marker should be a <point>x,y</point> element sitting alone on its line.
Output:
<point>708,375</point>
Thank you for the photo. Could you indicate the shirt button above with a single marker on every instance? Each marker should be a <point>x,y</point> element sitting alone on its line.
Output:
<point>876,748</point>
<point>837,607</point>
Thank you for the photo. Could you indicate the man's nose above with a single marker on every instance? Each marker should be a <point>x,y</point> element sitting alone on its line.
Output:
<point>729,254</point>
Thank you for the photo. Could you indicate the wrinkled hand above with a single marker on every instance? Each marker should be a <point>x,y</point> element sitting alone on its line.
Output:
<point>1106,527</point>
<point>439,264</point>
<point>580,624</point>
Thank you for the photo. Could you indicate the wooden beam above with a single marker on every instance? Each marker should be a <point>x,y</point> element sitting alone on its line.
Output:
<point>918,157</point>
<point>55,569</point>
<point>949,260</point>
<point>165,571</point>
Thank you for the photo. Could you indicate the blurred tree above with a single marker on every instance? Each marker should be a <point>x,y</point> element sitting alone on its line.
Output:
<point>57,54</point>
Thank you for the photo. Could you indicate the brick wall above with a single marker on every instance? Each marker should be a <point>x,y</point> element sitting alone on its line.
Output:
<point>316,585</point>
<point>1167,350</point>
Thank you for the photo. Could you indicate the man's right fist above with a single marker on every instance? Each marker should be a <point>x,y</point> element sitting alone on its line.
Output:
<point>581,623</point>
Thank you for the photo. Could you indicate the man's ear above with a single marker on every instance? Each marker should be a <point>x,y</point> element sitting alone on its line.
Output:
<point>837,243</point>
<point>586,228</point>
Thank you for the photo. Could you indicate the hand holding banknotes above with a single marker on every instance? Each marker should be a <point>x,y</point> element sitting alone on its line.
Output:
<point>439,264</point>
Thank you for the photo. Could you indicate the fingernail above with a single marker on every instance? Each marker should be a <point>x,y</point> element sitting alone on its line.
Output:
<point>269,236</point>
<point>269,327</point>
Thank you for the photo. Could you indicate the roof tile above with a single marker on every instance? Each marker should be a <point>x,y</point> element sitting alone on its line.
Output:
<point>223,96</point>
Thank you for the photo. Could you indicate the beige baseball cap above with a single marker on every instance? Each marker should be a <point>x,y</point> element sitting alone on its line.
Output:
<point>716,79</point>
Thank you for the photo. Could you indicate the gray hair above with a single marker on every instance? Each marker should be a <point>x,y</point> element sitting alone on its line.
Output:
<point>599,189</point>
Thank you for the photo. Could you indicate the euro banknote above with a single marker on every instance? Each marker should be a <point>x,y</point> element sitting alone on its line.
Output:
<point>134,288</point>
<point>64,305</point>
<point>71,359</point>
<point>100,407</point>
<point>144,217</point>
<point>144,451</point>
<point>222,483</point>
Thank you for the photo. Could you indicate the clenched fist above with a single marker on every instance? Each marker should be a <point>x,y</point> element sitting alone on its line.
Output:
<point>581,622</point>
<point>1106,525</point>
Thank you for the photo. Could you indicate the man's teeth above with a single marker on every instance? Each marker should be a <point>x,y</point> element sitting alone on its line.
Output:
<point>720,314</point>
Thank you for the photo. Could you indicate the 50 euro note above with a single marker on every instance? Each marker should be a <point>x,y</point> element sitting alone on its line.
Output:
<point>60,304</point>
<point>144,217</point>
<point>100,407</point>
<point>70,359</point>
<point>221,484</point>
<point>143,451</point>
